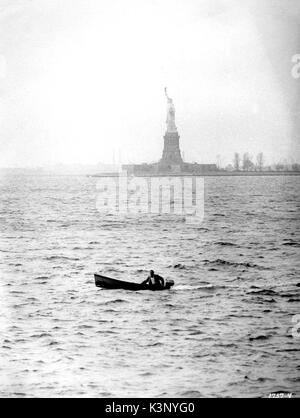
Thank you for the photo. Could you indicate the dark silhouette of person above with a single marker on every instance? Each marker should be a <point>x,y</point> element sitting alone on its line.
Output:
<point>154,281</point>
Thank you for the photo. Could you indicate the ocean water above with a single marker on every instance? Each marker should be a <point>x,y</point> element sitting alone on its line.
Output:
<point>225,329</point>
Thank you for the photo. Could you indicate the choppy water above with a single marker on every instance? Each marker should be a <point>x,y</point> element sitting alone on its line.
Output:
<point>224,330</point>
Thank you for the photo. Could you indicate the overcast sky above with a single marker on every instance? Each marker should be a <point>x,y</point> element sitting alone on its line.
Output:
<point>82,78</point>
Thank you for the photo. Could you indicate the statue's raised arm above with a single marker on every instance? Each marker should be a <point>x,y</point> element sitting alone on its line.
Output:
<point>166,93</point>
<point>171,127</point>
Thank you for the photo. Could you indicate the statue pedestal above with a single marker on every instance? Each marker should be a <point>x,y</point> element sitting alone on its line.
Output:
<point>171,153</point>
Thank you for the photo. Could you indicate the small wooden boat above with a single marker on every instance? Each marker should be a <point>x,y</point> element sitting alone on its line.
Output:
<point>108,283</point>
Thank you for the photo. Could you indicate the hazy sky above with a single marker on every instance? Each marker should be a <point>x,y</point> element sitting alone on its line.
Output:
<point>82,78</point>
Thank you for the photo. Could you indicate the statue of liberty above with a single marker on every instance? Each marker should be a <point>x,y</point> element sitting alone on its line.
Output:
<point>171,127</point>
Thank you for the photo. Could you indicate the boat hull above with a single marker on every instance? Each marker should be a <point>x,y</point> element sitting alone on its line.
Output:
<point>109,283</point>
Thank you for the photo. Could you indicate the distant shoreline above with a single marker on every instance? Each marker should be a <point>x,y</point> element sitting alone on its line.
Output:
<point>117,174</point>
<point>208,174</point>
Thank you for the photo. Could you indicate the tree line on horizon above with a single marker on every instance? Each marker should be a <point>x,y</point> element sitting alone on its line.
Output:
<point>245,162</point>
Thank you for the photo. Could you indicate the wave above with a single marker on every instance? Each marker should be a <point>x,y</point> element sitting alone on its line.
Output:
<point>292,244</point>
<point>115,301</point>
<point>289,350</point>
<point>53,343</point>
<point>225,244</point>
<point>5,347</point>
<point>61,257</point>
<point>264,292</point>
<point>180,266</point>
<point>190,394</point>
<point>43,335</point>
<point>260,338</point>
<point>158,344</point>
<point>220,262</point>
<point>263,380</point>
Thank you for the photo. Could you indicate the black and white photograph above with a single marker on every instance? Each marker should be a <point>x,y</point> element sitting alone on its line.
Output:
<point>150,201</point>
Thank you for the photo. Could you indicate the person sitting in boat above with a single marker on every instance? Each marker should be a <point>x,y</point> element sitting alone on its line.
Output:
<point>154,281</point>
